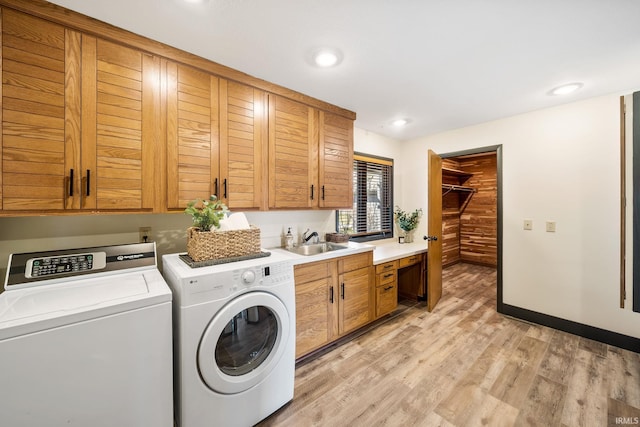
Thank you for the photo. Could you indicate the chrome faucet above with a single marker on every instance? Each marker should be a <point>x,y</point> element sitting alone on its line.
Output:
<point>305,238</point>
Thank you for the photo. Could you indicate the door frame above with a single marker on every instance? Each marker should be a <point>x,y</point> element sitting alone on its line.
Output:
<point>486,150</point>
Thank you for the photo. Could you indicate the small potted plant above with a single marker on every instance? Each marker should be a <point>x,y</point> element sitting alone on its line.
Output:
<point>206,214</point>
<point>206,242</point>
<point>407,222</point>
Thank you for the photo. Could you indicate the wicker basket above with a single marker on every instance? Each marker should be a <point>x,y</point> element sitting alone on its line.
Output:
<point>336,237</point>
<point>205,245</point>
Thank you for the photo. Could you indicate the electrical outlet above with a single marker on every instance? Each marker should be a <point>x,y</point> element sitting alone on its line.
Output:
<point>145,234</point>
<point>528,224</point>
<point>551,226</point>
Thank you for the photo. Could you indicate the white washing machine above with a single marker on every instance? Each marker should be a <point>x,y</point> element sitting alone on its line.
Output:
<point>234,338</point>
<point>85,339</point>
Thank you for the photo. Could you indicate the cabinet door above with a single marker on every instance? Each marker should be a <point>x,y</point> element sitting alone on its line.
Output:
<point>336,161</point>
<point>293,150</point>
<point>386,298</point>
<point>243,158</point>
<point>192,135</point>
<point>33,174</point>
<point>118,125</point>
<point>356,299</point>
<point>313,314</point>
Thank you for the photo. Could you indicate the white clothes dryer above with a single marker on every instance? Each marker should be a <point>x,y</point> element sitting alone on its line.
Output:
<point>234,340</point>
<point>85,339</point>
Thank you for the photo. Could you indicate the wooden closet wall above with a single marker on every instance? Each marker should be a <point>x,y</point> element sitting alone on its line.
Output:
<point>469,219</point>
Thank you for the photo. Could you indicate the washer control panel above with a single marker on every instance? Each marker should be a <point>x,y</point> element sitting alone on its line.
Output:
<point>266,275</point>
<point>55,265</point>
<point>32,268</point>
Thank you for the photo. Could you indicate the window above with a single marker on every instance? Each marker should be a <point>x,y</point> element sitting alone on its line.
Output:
<point>372,214</point>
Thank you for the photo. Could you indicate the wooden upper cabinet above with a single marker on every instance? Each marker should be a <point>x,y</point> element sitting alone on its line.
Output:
<point>192,135</point>
<point>311,157</point>
<point>243,139</point>
<point>120,94</point>
<point>293,153</point>
<point>98,119</point>
<point>33,174</point>
<point>336,161</point>
<point>78,115</point>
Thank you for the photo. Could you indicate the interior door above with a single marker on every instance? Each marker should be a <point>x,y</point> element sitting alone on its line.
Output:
<point>434,248</point>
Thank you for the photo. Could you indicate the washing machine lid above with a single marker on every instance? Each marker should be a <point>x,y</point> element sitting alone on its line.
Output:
<point>33,309</point>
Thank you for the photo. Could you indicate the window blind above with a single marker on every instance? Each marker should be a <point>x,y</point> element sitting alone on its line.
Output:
<point>372,213</point>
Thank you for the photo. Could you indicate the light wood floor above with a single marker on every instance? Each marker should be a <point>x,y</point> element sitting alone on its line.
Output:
<point>466,365</point>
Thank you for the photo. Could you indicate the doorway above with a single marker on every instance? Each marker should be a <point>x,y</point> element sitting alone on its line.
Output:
<point>472,210</point>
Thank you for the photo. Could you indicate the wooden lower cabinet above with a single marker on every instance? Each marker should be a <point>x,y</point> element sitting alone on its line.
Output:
<point>354,304</point>
<point>315,293</point>
<point>333,297</point>
<point>386,288</point>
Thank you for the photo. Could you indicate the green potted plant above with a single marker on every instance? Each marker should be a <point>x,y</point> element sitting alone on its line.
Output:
<point>407,222</point>
<point>206,242</point>
<point>206,214</point>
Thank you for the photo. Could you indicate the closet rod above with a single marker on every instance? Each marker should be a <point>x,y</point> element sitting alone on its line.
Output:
<point>451,188</point>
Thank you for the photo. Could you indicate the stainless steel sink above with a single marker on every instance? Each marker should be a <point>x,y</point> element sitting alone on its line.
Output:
<point>317,248</point>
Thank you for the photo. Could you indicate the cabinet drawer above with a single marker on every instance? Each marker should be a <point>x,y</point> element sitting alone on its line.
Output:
<point>313,271</point>
<point>387,266</point>
<point>410,260</point>
<point>386,299</point>
<point>355,262</point>
<point>388,277</point>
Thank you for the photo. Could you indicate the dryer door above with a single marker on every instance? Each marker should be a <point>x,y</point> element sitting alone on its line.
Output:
<point>243,342</point>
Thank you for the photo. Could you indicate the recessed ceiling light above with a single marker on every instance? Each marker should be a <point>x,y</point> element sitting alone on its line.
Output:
<point>326,57</point>
<point>195,1</point>
<point>565,89</point>
<point>400,122</point>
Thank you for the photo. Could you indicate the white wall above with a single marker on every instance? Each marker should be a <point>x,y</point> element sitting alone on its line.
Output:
<point>560,164</point>
<point>29,234</point>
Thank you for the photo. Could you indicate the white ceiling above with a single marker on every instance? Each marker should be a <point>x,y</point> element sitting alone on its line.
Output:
<point>442,64</point>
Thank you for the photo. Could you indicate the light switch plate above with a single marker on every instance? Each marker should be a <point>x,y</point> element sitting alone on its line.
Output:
<point>528,224</point>
<point>551,226</point>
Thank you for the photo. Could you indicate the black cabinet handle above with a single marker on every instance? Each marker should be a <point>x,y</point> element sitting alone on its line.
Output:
<point>386,276</point>
<point>224,186</point>
<point>387,288</point>
<point>331,295</point>
<point>88,182</point>
<point>342,290</point>
<point>70,182</point>
<point>311,191</point>
<point>323,192</point>
<point>215,187</point>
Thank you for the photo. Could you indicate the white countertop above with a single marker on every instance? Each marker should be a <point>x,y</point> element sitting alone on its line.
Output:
<point>383,251</point>
<point>390,249</point>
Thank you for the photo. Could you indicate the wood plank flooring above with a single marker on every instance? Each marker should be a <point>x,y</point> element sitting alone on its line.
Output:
<point>465,365</point>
